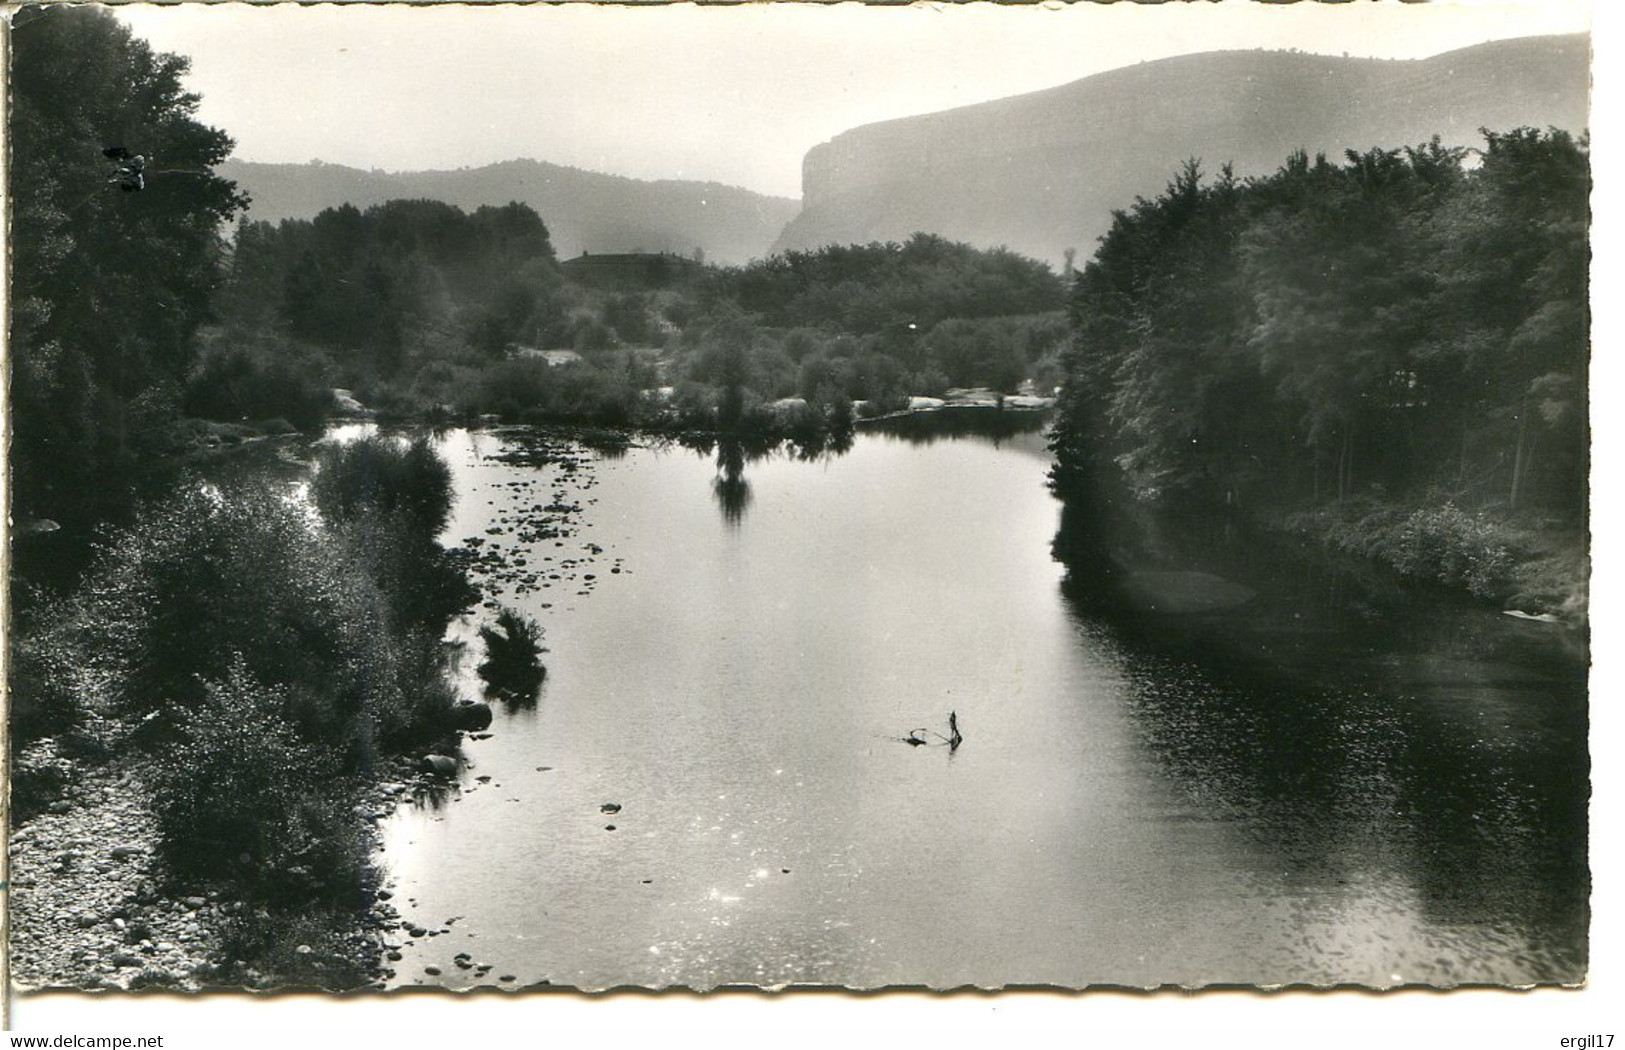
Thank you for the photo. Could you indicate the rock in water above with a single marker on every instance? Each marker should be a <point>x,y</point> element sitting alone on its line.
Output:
<point>442,765</point>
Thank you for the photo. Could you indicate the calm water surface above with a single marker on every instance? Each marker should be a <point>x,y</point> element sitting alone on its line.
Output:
<point>1393,802</point>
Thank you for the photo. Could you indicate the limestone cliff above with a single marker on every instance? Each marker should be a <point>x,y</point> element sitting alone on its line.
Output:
<point>1042,172</point>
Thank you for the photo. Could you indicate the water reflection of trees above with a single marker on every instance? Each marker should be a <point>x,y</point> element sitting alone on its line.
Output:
<point>730,485</point>
<point>737,450</point>
<point>987,424</point>
<point>1362,733</point>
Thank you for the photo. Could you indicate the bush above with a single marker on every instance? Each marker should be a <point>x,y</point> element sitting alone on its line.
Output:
<point>43,674</point>
<point>305,947</point>
<point>1449,545</point>
<point>241,792</point>
<point>1440,543</point>
<point>336,618</point>
<point>512,667</point>
<point>389,500</point>
<point>380,476</point>
<point>237,384</point>
<point>508,388</point>
<point>218,575</point>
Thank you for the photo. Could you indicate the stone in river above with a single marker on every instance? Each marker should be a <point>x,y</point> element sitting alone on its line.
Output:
<point>443,765</point>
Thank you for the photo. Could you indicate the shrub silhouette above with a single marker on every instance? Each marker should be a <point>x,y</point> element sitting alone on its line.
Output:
<point>243,795</point>
<point>390,500</point>
<point>512,667</point>
<point>381,475</point>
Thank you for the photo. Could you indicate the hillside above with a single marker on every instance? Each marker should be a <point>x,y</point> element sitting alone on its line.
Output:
<point>583,210</point>
<point>1041,172</point>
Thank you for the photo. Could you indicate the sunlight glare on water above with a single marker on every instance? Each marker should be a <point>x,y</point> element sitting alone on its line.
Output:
<point>742,685</point>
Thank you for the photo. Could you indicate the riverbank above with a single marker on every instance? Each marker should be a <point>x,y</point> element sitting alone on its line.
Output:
<point>198,783</point>
<point>1539,571</point>
<point>1125,554</point>
<point>659,416</point>
<point>85,905</point>
<point>94,907</point>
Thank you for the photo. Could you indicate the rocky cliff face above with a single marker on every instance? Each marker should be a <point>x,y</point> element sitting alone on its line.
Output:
<point>584,211</point>
<point>1040,173</point>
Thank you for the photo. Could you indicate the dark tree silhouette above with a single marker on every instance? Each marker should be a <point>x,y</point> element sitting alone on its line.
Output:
<point>109,287</point>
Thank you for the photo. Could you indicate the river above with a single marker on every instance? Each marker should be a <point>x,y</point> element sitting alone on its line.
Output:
<point>740,648</point>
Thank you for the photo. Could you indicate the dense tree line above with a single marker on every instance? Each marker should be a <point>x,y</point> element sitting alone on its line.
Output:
<point>877,322</point>
<point>1396,343</point>
<point>370,300</point>
<point>1408,321</point>
<point>871,288</point>
<point>109,285</point>
<point>424,308</point>
<point>397,279</point>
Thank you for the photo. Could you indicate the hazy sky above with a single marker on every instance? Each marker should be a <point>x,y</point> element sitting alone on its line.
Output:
<point>735,94</point>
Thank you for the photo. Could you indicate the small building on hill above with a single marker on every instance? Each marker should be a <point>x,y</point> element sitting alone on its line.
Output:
<point>630,271</point>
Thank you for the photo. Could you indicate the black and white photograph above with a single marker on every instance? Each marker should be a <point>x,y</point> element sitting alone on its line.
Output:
<point>546,500</point>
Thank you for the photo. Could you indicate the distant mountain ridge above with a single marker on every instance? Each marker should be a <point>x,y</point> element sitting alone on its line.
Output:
<point>1042,172</point>
<point>584,210</point>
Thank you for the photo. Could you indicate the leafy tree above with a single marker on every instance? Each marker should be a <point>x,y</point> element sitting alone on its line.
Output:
<point>871,288</point>
<point>1329,329</point>
<point>383,290</point>
<point>1512,348</point>
<point>723,359</point>
<point>629,316</point>
<point>109,286</point>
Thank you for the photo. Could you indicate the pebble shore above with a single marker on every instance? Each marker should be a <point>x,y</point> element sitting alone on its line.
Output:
<point>89,909</point>
<point>85,906</point>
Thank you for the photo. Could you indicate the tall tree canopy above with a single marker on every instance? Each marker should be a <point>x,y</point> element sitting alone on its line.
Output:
<point>372,287</point>
<point>1410,320</point>
<point>871,288</point>
<point>109,285</point>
